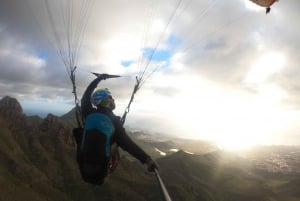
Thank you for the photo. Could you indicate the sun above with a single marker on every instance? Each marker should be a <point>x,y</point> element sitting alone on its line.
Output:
<point>234,143</point>
<point>234,119</point>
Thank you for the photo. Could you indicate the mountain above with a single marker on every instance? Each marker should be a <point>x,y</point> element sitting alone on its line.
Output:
<point>37,163</point>
<point>70,118</point>
<point>35,155</point>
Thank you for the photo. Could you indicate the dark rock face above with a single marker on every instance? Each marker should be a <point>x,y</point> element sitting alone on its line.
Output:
<point>52,125</point>
<point>11,111</point>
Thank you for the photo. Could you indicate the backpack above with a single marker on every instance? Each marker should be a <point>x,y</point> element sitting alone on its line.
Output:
<point>93,147</point>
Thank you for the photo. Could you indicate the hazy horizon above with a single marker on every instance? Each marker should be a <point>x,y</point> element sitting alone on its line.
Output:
<point>43,114</point>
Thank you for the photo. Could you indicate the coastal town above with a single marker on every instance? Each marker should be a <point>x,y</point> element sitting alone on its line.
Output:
<point>277,159</point>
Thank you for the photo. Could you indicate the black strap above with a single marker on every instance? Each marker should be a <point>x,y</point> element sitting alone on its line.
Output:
<point>135,89</point>
<point>76,100</point>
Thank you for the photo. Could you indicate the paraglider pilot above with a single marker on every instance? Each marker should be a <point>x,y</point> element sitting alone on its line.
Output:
<point>102,132</point>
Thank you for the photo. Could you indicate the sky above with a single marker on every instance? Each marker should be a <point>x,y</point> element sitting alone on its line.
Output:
<point>212,70</point>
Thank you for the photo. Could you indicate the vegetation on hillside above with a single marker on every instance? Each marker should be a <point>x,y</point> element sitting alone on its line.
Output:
<point>37,163</point>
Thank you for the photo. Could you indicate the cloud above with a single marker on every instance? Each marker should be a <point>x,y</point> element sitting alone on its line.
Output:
<point>206,50</point>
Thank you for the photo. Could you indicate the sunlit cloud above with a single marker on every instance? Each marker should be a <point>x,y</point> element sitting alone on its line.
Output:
<point>264,67</point>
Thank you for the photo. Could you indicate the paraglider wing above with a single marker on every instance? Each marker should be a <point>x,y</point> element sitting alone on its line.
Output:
<point>263,3</point>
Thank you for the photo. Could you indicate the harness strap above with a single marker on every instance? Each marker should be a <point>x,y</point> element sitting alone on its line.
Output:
<point>135,89</point>
<point>76,100</point>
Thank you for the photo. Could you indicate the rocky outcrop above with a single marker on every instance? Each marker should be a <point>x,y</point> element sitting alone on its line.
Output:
<point>52,125</point>
<point>12,112</point>
<point>50,122</point>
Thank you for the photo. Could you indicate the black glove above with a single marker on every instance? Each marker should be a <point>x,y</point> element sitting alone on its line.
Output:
<point>151,165</point>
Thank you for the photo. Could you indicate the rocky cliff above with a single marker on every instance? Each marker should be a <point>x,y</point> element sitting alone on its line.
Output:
<point>12,114</point>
